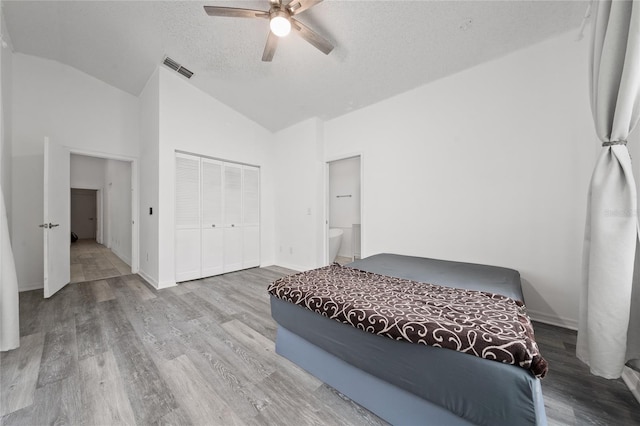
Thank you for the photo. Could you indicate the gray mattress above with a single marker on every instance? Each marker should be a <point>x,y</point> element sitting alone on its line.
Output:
<point>481,391</point>
<point>470,276</point>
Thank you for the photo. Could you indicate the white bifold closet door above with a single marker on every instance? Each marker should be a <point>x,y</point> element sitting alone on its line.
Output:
<point>217,217</point>
<point>212,214</point>
<point>187,218</point>
<point>232,217</point>
<point>251,216</point>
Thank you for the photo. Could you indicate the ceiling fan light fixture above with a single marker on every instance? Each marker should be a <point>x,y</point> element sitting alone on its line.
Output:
<point>280,24</point>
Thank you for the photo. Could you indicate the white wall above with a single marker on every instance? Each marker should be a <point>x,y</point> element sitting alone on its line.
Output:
<point>149,176</point>
<point>299,196</point>
<point>73,109</point>
<point>118,208</point>
<point>490,165</point>
<point>193,121</point>
<point>344,212</point>
<point>87,172</point>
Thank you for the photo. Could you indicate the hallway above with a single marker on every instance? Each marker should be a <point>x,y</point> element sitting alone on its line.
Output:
<point>92,261</point>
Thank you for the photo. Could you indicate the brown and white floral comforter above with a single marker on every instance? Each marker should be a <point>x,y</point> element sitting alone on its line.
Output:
<point>486,325</point>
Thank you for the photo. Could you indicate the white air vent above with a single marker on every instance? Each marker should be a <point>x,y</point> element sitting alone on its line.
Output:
<point>177,67</point>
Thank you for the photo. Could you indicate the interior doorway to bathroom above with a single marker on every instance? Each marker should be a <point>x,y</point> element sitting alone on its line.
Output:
<point>344,216</point>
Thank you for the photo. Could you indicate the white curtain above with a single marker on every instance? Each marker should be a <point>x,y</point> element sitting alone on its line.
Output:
<point>608,333</point>
<point>9,325</point>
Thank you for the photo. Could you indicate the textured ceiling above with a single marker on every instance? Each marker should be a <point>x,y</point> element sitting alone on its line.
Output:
<point>382,47</point>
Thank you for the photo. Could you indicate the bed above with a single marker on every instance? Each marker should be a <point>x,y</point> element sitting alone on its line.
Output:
<point>409,383</point>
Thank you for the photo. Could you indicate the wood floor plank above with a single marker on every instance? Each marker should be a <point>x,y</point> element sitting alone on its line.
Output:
<point>113,321</point>
<point>215,299</point>
<point>104,400</point>
<point>36,316</point>
<point>288,408</point>
<point>229,381</point>
<point>197,395</point>
<point>204,307</point>
<point>177,309</point>
<point>343,408</point>
<point>90,337</point>
<point>77,275</point>
<point>102,291</point>
<point>176,417</point>
<point>256,342</point>
<point>140,290</point>
<point>19,373</point>
<point>148,393</point>
<point>209,337</point>
<point>59,355</point>
<point>56,403</point>
<point>93,261</point>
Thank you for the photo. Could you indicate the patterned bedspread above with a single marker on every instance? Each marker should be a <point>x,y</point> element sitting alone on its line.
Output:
<point>486,325</point>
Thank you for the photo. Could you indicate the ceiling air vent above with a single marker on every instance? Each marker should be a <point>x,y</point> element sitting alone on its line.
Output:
<point>177,67</point>
<point>185,72</point>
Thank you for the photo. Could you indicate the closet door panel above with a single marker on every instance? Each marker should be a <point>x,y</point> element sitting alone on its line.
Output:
<point>211,193</point>
<point>212,251</point>
<point>212,215</point>
<point>187,254</point>
<point>187,192</point>
<point>251,216</point>
<point>251,195</point>
<point>232,194</point>
<point>251,247</point>
<point>187,218</point>
<point>232,249</point>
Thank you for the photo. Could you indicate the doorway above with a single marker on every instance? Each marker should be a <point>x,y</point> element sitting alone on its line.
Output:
<point>344,216</point>
<point>101,218</point>
<point>84,219</point>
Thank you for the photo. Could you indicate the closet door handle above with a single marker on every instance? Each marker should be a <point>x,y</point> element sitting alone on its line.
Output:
<point>213,226</point>
<point>232,225</point>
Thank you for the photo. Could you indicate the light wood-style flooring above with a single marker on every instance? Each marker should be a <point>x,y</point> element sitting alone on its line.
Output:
<point>116,351</point>
<point>343,260</point>
<point>92,261</point>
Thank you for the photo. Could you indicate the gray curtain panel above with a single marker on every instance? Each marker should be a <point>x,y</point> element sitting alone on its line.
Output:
<point>608,332</point>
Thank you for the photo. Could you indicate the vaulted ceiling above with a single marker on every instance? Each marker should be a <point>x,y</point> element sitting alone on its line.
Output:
<point>382,47</point>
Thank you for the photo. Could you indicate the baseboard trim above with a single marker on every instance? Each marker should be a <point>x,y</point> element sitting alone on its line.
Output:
<point>632,379</point>
<point>571,324</point>
<point>148,279</point>
<point>121,257</point>
<point>289,266</point>
<point>166,284</point>
<point>29,287</point>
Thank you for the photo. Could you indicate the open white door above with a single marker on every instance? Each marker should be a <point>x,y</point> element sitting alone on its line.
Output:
<point>56,226</point>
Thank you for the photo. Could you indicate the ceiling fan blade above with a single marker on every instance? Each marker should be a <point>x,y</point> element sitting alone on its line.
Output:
<point>298,6</point>
<point>234,12</point>
<point>311,36</point>
<point>270,47</point>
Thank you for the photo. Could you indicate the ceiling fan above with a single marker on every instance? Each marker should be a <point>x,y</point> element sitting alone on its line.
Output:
<point>281,22</point>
